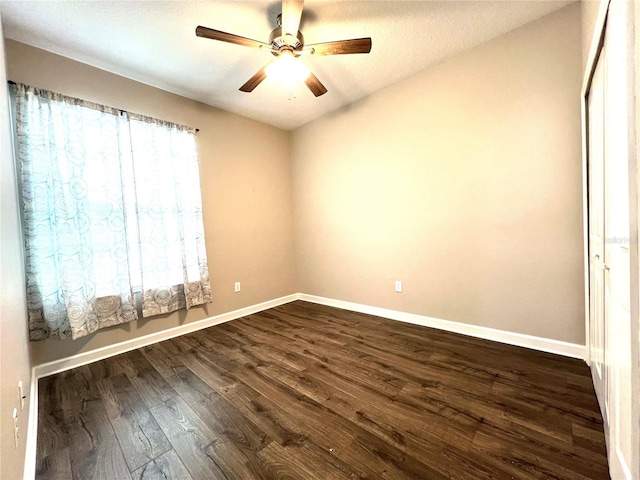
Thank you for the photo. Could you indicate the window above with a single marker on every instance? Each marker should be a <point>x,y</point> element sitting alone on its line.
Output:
<point>111,211</point>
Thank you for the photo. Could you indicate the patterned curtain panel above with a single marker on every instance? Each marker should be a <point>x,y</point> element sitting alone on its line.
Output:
<point>173,259</point>
<point>111,207</point>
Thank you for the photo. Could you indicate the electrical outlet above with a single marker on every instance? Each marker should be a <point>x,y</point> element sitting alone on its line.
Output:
<point>21,395</point>
<point>15,427</point>
<point>398,286</point>
<point>236,287</point>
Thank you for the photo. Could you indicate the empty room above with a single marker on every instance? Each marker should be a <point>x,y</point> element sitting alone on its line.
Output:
<point>319,239</point>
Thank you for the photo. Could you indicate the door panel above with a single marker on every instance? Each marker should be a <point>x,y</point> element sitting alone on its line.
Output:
<point>596,232</point>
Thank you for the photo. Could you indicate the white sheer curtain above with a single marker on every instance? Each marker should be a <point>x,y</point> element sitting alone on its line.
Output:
<point>111,207</point>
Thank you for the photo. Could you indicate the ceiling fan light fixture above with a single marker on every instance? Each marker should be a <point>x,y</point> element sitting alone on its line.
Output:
<point>286,43</point>
<point>288,70</point>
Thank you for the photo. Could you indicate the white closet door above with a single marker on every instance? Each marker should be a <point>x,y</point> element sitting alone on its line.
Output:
<point>617,242</point>
<point>611,119</point>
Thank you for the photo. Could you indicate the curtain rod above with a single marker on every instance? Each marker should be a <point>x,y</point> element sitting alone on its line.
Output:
<point>11,82</point>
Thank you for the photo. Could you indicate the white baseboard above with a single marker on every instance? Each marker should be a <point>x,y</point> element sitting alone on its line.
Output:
<point>57,366</point>
<point>566,349</point>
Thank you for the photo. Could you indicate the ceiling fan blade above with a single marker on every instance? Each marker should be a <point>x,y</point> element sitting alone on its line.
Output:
<point>341,47</point>
<point>316,87</point>
<point>256,80</point>
<point>229,37</point>
<point>291,13</point>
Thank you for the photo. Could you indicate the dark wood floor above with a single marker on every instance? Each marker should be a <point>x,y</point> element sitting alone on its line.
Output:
<point>304,391</point>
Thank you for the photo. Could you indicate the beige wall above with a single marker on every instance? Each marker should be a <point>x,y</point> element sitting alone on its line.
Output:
<point>246,187</point>
<point>463,181</point>
<point>15,364</point>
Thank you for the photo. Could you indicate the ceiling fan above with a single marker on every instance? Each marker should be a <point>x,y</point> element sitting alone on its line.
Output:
<point>286,43</point>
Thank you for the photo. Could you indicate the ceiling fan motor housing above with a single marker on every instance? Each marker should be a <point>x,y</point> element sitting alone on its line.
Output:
<point>278,42</point>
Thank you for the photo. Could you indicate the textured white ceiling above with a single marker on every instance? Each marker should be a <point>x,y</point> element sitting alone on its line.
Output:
<point>154,42</point>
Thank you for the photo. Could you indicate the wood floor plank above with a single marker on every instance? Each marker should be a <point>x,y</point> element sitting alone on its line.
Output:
<point>297,434</point>
<point>218,414</point>
<point>589,439</point>
<point>389,380</point>
<point>54,436</point>
<point>163,357</point>
<point>437,423</point>
<point>190,436</point>
<point>167,466</point>
<point>209,370</point>
<point>535,459</point>
<point>310,391</point>
<point>279,466</point>
<point>558,407</point>
<point>408,433</point>
<point>79,391</point>
<point>218,361</point>
<point>253,351</point>
<point>470,409</point>
<point>331,431</point>
<point>235,463</point>
<point>150,385</point>
<point>302,462</point>
<point>94,451</point>
<point>138,433</point>
<point>248,402</point>
<point>55,466</point>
